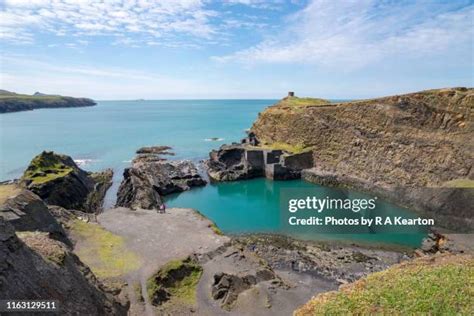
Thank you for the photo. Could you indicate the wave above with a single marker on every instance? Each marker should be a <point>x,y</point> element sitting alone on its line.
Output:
<point>84,162</point>
<point>213,139</point>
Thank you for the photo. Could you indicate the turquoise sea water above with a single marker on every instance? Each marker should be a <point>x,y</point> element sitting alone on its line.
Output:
<point>107,136</point>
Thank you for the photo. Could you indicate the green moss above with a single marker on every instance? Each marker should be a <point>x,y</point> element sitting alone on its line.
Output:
<point>212,226</point>
<point>7,191</point>
<point>104,252</point>
<point>45,167</point>
<point>216,229</point>
<point>137,288</point>
<point>175,282</point>
<point>459,183</point>
<point>296,101</point>
<point>49,249</point>
<point>445,287</point>
<point>294,149</point>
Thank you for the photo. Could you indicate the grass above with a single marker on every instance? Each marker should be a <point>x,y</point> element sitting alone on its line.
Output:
<point>426,286</point>
<point>459,183</point>
<point>48,248</point>
<point>294,149</point>
<point>212,225</point>
<point>104,252</point>
<point>178,278</point>
<point>45,167</point>
<point>7,191</point>
<point>296,101</point>
<point>31,97</point>
<point>216,229</point>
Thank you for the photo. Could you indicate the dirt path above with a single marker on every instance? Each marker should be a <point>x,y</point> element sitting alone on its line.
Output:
<point>159,238</point>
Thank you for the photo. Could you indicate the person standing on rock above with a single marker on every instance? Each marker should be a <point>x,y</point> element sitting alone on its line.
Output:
<point>162,208</point>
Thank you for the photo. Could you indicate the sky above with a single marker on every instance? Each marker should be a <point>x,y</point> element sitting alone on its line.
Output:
<point>203,49</point>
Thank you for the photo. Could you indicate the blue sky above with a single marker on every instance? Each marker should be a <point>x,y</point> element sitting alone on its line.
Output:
<point>235,48</point>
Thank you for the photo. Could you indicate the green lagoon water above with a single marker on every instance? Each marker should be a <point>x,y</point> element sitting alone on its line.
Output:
<point>107,135</point>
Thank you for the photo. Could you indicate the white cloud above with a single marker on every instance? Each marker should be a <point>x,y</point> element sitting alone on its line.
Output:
<point>258,4</point>
<point>19,19</point>
<point>95,82</point>
<point>351,34</point>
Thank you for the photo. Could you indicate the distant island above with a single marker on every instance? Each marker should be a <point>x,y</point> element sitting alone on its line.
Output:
<point>14,102</point>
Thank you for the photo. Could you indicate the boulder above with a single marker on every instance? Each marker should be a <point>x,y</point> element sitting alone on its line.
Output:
<point>59,181</point>
<point>27,212</point>
<point>151,177</point>
<point>227,287</point>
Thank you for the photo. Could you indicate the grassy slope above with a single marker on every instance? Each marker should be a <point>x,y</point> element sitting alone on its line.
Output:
<point>460,183</point>
<point>7,191</point>
<point>182,289</point>
<point>296,101</point>
<point>104,252</point>
<point>441,285</point>
<point>46,167</point>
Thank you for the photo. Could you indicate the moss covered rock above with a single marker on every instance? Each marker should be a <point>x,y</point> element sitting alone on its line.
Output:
<point>59,181</point>
<point>176,280</point>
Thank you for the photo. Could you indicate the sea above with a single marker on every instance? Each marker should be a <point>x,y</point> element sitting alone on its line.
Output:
<point>107,136</point>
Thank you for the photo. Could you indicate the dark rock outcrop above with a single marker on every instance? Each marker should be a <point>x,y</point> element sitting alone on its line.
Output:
<point>241,161</point>
<point>36,267</point>
<point>59,181</point>
<point>151,177</point>
<point>227,287</point>
<point>27,212</point>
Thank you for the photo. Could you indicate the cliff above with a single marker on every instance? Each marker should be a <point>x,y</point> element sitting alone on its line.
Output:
<point>404,289</point>
<point>59,181</point>
<point>151,176</point>
<point>13,102</point>
<point>404,147</point>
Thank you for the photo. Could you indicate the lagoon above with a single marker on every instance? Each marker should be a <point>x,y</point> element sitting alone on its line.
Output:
<point>107,136</point>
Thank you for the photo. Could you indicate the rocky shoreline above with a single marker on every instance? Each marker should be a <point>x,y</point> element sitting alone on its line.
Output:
<point>134,260</point>
<point>151,176</point>
<point>419,158</point>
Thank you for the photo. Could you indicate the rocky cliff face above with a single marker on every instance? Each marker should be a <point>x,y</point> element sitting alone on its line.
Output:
<point>27,212</point>
<point>392,145</point>
<point>36,267</point>
<point>59,181</point>
<point>152,176</point>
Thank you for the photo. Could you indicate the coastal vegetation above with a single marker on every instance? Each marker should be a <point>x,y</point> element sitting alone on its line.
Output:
<point>105,252</point>
<point>50,250</point>
<point>8,190</point>
<point>13,102</point>
<point>441,285</point>
<point>291,148</point>
<point>175,281</point>
<point>46,167</point>
<point>58,180</point>
<point>459,183</point>
<point>297,101</point>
